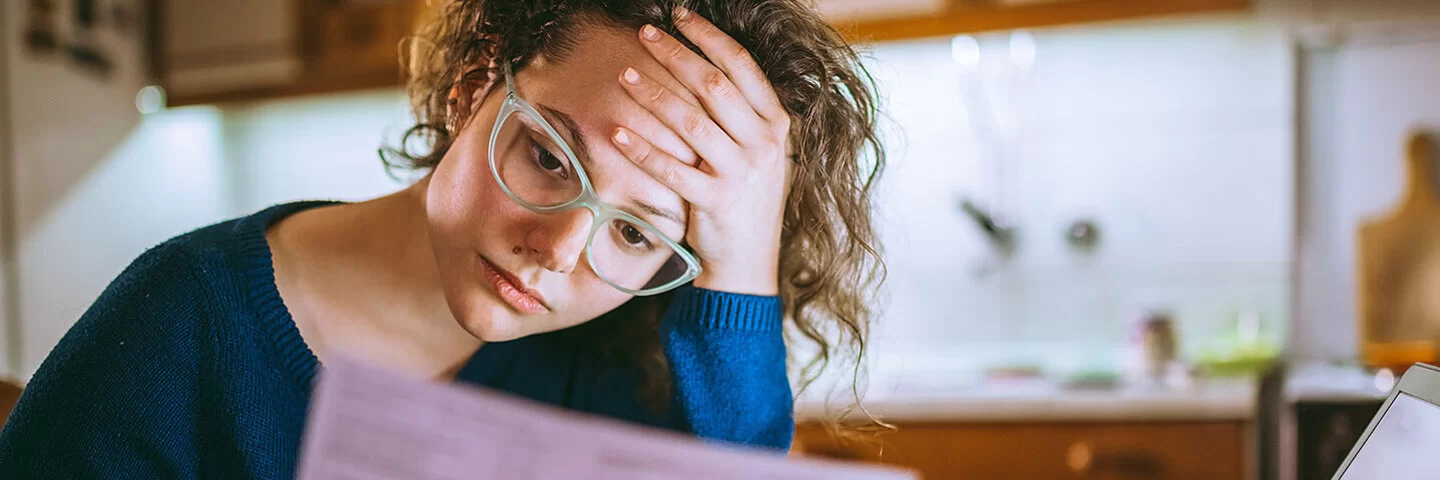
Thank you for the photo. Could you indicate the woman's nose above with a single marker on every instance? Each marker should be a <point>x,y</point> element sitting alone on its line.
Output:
<point>559,240</point>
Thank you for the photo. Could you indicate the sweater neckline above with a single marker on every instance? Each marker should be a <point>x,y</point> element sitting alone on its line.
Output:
<point>278,327</point>
<point>286,344</point>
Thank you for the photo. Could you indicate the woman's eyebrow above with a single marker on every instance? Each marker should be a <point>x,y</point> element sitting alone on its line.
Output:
<point>569,129</point>
<point>665,213</point>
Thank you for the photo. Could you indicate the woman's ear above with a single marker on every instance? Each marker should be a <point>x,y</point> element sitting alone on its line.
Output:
<point>468,93</point>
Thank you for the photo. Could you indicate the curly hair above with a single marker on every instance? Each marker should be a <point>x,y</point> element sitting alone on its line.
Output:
<point>830,265</point>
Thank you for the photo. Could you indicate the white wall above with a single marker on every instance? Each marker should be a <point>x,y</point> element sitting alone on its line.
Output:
<point>171,173</point>
<point>1174,136</point>
<point>1362,98</point>
<point>94,184</point>
<point>320,148</point>
<point>161,180</point>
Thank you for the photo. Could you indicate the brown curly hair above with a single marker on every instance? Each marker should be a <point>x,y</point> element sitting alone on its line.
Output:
<point>830,262</point>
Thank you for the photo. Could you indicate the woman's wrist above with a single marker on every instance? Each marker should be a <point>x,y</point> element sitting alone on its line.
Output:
<point>750,281</point>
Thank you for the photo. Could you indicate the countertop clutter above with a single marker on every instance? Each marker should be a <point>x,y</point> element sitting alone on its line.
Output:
<point>1204,429</point>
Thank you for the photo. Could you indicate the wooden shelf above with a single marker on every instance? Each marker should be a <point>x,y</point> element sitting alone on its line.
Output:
<point>338,85</point>
<point>337,62</point>
<point>966,17</point>
<point>343,46</point>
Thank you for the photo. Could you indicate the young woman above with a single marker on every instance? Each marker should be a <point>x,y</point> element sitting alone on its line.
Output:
<point>623,202</point>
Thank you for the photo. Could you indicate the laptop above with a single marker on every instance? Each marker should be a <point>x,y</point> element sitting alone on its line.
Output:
<point>1403,441</point>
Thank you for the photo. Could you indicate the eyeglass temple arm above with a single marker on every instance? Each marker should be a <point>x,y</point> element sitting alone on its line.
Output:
<point>509,78</point>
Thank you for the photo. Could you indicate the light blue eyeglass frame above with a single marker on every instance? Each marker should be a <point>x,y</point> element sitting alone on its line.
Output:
<point>603,212</point>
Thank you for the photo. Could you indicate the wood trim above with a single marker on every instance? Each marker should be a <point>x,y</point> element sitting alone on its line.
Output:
<point>968,18</point>
<point>391,79</point>
<point>1178,450</point>
<point>963,16</point>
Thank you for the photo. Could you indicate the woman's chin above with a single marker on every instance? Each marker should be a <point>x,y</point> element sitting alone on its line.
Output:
<point>491,329</point>
<point>491,321</point>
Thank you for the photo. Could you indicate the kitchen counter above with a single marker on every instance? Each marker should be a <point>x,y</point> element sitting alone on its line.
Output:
<point>1231,399</point>
<point>1323,382</point>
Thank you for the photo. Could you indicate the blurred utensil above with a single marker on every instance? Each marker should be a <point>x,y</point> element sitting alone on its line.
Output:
<point>40,34</point>
<point>995,98</point>
<point>1398,270</point>
<point>84,48</point>
<point>1000,233</point>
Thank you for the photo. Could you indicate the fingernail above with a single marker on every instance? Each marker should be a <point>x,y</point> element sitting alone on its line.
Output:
<point>650,32</point>
<point>621,137</point>
<point>682,13</point>
<point>631,76</point>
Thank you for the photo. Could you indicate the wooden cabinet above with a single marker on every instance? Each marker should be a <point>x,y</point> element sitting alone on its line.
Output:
<point>206,47</point>
<point>308,47</point>
<point>210,51</point>
<point>352,41</point>
<point>1148,450</point>
<point>874,21</point>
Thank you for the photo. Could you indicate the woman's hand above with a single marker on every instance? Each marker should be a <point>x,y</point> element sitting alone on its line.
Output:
<point>740,132</point>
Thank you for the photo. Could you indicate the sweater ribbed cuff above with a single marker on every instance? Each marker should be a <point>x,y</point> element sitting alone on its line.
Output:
<point>711,309</point>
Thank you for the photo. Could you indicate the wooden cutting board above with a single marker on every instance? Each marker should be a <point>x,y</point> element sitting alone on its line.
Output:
<point>1398,269</point>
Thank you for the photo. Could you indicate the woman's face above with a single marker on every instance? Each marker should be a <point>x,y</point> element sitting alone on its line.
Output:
<point>509,272</point>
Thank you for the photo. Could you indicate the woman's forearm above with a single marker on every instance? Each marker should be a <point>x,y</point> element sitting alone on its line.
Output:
<point>727,356</point>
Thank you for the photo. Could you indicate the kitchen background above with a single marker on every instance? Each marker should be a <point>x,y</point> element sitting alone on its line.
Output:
<point>1207,161</point>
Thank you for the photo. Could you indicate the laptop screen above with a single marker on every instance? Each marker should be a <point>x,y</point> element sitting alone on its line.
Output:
<point>1405,444</point>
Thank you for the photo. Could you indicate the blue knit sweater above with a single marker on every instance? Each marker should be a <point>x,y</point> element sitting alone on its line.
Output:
<point>189,365</point>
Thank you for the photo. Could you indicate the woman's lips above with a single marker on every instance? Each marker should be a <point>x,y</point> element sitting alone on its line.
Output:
<point>512,291</point>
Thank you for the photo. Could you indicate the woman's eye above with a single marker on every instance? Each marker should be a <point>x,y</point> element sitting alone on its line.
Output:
<point>633,236</point>
<point>548,161</point>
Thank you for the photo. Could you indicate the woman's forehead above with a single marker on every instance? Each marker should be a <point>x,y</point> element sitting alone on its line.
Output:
<point>599,55</point>
<point>585,88</point>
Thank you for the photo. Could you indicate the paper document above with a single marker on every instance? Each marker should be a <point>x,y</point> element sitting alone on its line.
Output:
<point>366,423</point>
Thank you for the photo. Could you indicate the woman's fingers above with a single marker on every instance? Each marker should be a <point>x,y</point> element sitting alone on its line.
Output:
<point>660,135</point>
<point>691,122</point>
<point>685,180</point>
<point>730,108</point>
<point>735,60</point>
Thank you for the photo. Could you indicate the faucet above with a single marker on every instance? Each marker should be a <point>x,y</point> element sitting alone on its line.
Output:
<point>1000,233</point>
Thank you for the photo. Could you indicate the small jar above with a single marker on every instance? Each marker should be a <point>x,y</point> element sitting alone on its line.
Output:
<point>1152,349</point>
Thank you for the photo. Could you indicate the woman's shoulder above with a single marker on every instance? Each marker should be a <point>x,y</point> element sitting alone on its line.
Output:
<point>218,260</point>
<point>237,236</point>
<point>236,245</point>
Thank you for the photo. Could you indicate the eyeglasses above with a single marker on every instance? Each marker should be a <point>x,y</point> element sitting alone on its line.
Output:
<point>626,252</point>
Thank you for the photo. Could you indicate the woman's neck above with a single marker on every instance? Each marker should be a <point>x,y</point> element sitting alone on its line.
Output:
<point>363,281</point>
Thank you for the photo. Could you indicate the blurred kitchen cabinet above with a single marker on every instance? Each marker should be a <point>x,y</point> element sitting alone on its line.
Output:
<point>868,20</point>
<point>207,47</point>
<point>1208,450</point>
<point>212,51</point>
<point>357,41</point>
<point>1341,12</point>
